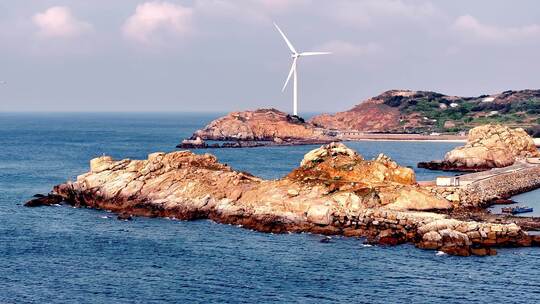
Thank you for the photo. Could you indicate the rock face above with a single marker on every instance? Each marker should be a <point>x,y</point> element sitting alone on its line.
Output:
<point>262,125</point>
<point>488,146</point>
<point>334,191</point>
<point>371,115</point>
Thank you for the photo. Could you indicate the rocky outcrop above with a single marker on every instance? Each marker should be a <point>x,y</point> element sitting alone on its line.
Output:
<point>193,143</point>
<point>333,191</point>
<point>261,125</point>
<point>488,146</point>
<point>44,200</point>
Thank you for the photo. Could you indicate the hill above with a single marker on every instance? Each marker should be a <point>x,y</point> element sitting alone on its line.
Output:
<point>404,111</point>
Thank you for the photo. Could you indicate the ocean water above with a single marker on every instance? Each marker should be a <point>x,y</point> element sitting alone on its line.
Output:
<point>69,255</point>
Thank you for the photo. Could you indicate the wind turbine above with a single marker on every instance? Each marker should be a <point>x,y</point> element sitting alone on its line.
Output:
<point>295,56</point>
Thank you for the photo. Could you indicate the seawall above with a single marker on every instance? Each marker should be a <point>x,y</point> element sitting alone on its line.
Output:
<point>479,190</point>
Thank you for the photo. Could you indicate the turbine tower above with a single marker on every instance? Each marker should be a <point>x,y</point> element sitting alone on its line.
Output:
<point>295,56</point>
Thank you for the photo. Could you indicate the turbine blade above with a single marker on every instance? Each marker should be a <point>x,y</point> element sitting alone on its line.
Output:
<point>293,67</point>
<point>289,44</point>
<point>314,53</point>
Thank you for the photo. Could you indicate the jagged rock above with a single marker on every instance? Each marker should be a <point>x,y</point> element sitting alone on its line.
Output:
<point>336,164</point>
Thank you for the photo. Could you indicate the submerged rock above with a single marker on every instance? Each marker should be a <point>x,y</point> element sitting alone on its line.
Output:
<point>124,217</point>
<point>44,200</point>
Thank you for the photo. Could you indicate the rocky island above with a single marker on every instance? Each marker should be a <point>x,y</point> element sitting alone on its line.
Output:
<point>257,128</point>
<point>394,115</point>
<point>333,191</point>
<point>489,146</point>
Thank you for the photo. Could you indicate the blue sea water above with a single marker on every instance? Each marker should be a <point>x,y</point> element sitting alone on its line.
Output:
<point>68,255</point>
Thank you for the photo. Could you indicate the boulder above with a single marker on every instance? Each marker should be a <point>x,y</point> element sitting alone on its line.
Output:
<point>333,149</point>
<point>488,146</point>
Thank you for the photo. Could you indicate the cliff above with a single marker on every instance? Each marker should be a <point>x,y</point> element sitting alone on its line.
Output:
<point>333,191</point>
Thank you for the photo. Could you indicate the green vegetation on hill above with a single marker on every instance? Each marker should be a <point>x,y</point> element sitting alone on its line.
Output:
<point>434,112</point>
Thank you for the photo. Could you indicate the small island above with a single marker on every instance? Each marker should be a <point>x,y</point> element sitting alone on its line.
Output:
<point>334,191</point>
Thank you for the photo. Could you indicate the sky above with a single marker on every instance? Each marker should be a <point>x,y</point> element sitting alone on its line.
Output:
<point>220,56</point>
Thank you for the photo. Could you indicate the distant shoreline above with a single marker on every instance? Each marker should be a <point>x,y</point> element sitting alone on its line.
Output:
<point>403,137</point>
<point>413,137</point>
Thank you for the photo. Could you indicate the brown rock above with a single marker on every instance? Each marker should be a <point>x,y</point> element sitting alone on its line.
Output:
<point>100,164</point>
<point>319,214</point>
<point>492,146</point>
<point>370,115</point>
<point>262,124</point>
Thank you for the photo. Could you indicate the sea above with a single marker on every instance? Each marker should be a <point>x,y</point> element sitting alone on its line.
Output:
<point>78,255</point>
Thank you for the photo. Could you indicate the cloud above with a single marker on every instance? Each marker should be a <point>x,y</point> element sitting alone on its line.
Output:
<point>58,21</point>
<point>280,6</point>
<point>367,13</point>
<point>152,20</point>
<point>248,11</point>
<point>348,49</point>
<point>231,10</point>
<point>474,31</point>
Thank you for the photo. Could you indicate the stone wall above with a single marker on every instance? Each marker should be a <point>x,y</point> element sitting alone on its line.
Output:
<point>430,231</point>
<point>481,192</point>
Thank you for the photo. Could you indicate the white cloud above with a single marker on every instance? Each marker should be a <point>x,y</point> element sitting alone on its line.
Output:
<point>250,11</point>
<point>231,10</point>
<point>475,31</point>
<point>151,20</point>
<point>367,13</point>
<point>58,21</point>
<point>280,6</point>
<point>348,49</point>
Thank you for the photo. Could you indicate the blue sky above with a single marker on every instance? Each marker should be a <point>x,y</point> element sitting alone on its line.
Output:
<point>215,55</point>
